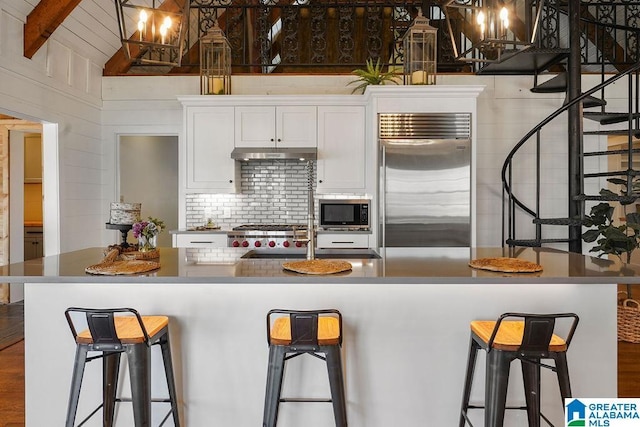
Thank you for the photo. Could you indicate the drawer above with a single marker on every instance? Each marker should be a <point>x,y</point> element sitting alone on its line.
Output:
<point>343,240</point>
<point>193,240</point>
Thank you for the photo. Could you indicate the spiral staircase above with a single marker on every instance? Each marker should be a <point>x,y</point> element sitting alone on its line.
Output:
<point>592,47</point>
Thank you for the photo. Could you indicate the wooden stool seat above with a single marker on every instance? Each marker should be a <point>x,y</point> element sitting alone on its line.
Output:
<point>328,331</point>
<point>509,336</point>
<point>128,329</point>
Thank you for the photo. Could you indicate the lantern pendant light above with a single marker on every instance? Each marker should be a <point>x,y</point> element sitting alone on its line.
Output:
<point>215,63</point>
<point>420,52</point>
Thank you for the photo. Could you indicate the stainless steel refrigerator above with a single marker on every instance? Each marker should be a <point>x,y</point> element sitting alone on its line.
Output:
<point>425,179</point>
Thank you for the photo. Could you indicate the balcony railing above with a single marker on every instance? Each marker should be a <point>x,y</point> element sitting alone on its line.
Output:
<point>336,36</point>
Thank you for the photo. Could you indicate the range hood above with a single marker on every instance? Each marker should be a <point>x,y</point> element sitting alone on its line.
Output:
<point>272,153</point>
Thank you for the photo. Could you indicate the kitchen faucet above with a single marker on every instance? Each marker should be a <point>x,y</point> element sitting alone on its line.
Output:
<point>310,238</point>
<point>311,231</point>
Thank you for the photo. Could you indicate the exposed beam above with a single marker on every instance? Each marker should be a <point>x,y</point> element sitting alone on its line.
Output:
<point>43,20</point>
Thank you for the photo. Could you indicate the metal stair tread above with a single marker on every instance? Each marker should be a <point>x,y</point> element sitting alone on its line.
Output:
<point>526,62</point>
<point>534,243</point>
<point>605,118</point>
<point>558,221</point>
<point>612,173</point>
<point>634,132</point>
<point>553,85</point>
<point>599,198</point>
<point>609,152</point>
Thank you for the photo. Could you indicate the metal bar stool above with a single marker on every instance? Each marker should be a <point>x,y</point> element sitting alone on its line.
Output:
<point>530,340</point>
<point>315,332</point>
<point>112,332</point>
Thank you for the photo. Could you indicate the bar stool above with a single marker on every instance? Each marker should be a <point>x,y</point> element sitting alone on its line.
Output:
<point>530,340</point>
<point>315,332</point>
<point>112,332</point>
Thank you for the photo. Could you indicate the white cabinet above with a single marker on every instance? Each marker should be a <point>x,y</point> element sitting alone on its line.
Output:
<point>209,141</point>
<point>199,240</point>
<point>271,126</point>
<point>343,240</point>
<point>341,149</point>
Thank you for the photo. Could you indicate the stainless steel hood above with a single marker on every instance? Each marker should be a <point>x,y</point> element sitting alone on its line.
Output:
<point>272,153</point>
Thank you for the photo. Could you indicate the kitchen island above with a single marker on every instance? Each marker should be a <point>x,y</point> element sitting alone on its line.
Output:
<point>406,331</point>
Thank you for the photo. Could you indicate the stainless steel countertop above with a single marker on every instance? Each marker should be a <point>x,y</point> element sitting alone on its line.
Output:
<point>397,265</point>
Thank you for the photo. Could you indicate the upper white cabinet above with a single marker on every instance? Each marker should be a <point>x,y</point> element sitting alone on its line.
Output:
<point>275,126</point>
<point>341,149</point>
<point>209,142</point>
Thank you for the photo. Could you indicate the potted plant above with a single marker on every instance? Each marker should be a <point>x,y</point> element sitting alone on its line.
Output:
<point>372,75</point>
<point>610,238</point>
<point>147,233</point>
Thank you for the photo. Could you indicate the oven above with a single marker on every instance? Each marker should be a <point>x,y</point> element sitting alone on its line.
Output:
<point>267,236</point>
<point>344,214</point>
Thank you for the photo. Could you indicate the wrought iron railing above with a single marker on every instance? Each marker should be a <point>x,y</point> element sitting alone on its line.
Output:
<point>326,36</point>
<point>335,36</point>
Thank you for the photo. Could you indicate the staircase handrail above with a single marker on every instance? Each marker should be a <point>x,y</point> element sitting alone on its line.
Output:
<point>544,122</point>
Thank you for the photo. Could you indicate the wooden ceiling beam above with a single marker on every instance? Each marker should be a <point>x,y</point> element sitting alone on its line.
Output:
<point>43,20</point>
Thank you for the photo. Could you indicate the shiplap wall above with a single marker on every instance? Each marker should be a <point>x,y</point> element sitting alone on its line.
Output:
<point>62,84</point>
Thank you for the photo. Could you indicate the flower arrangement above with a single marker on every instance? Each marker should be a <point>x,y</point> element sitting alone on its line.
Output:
<point>146,233</point>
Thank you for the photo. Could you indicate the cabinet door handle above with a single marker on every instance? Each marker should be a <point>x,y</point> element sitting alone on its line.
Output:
<point>342,242</point>
<point>279,140</point>
<point>271,140</point>
<point>320,181</point>
<point>200,241</point>
<point>230,181</point>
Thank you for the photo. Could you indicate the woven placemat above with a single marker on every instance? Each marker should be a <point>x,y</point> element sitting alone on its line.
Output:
<point>123,267</point>
<point>111,265</point>
<point>317,266</point>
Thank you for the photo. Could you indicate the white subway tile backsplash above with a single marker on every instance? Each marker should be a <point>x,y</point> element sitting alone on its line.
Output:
<point>270,192</point>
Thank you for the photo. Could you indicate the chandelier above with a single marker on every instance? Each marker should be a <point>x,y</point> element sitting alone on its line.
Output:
<point>153,31</point>
<point>486,23</point>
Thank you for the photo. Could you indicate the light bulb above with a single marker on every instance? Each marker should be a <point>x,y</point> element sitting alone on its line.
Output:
<point>480,18</point>
<point>504,14</point>
<point>143,16</point>
<point>167,22</point>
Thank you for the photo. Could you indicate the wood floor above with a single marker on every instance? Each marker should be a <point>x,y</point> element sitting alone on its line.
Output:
<point>12,386</point>
<point>12,377</point>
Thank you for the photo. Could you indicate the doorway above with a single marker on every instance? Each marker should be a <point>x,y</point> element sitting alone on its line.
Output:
<point>148,174</point>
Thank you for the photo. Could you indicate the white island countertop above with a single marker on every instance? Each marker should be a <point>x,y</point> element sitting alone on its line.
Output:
<point>396,265</point>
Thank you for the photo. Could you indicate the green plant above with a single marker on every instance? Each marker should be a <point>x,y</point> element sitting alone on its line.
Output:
<point>612,239</point>
<point>372,75</point>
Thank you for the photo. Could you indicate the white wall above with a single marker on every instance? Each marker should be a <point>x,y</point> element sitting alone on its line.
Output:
<point>61,84</point>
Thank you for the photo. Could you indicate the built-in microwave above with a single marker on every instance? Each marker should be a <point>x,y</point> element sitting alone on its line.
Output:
<point>344,213</point>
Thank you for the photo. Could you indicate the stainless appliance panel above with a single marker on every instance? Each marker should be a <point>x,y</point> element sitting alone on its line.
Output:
<point>426,188</point>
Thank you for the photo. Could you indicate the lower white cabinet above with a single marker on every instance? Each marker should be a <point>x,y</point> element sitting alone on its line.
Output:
<point>343,240</point>
<point>341,149</point>
<point>196,240</point>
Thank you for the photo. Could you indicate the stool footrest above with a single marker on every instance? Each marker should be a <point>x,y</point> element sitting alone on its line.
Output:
<point>302,399</point>
<point>158,400</point>
<point>506,407</point>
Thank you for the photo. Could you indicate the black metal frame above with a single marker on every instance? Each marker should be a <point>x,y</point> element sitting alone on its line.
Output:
<point>101,323</point>
<point>537,334</point>
<point>304,340</point>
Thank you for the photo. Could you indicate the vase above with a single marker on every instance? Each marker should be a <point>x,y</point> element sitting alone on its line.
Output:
<point>146,244</point>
